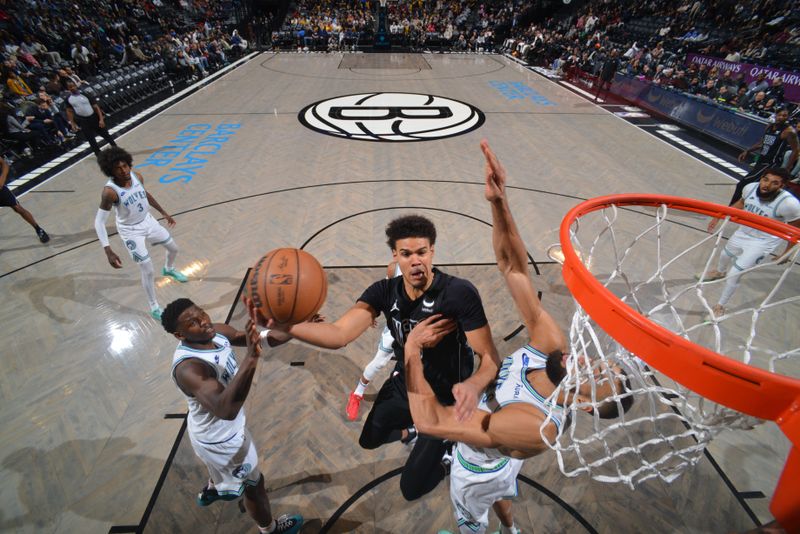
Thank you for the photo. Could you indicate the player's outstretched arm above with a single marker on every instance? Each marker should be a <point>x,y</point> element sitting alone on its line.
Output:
<point>512,260</point>
<point>339,333</point>
<point>107,199</point>
<point>512,429</point>
<point>197,379</point>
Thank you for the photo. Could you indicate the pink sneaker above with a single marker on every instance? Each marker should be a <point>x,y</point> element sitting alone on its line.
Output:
<point>353,403</point>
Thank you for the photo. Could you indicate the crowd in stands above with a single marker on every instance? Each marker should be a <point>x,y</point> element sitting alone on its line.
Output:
<point>97,44</point>
<point>458,25</point>
<point>651,40</point>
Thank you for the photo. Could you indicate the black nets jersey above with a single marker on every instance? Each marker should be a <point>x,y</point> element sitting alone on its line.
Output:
<point>452,360</point>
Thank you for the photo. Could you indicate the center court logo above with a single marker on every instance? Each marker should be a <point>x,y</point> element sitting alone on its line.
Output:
<point>392,117</point>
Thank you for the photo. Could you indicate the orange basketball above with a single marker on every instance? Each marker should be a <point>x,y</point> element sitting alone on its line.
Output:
<point>288,285</point>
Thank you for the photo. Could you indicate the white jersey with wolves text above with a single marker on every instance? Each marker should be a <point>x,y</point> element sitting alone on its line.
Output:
<point>784,207</point>
<point>512,386</point>
<point>204,426</point>
<point>132,205</point>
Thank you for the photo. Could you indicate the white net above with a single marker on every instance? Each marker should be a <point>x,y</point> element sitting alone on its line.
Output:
<point>658,262</point>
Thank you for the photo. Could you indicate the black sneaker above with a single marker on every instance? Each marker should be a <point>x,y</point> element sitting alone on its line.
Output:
<point>288,524</point>
<point>210,495</point>
<point>43,237</point>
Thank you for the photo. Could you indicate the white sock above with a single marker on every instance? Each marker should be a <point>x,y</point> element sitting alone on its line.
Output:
<point>211,484</point>
<point>508,530</point>
<point>149,283</point>
<point>271,528</point>
<point>172,253</point>
<point>361,388</point>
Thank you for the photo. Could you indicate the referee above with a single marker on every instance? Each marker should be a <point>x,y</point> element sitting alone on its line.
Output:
<point>84,113</point>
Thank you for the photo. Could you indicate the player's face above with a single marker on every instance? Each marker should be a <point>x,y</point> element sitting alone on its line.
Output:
<point>195,326</point>
<point>121,171</point>
<point>781,117</point>
<point>603,376</point>
<point>769,185</point>
<point>414,255</point>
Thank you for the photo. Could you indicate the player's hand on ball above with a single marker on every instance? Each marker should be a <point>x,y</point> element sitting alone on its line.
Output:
<point>466,395</point>
<point>712,224</point>
<point>253,337</point>
<point>429,333</point>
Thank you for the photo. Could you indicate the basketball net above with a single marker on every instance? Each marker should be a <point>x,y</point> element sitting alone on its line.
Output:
<point>668,425</point>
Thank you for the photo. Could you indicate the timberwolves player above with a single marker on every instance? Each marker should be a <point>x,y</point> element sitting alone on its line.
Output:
<point>216,385</point>
<point>420,292</point>
<point>494,441</point>
<point>125,191</point>
<point>778,137</point>
<point>747,246</point>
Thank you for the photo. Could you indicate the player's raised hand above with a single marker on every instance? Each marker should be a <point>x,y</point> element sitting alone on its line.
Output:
<point>712,224</point>
<point>495,174</point>
<point>253,337</point>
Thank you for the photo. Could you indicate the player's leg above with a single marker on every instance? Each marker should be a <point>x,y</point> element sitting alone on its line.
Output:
<point>503,510</point>
<point>8,199</point>
<point>389,415</point>
<point>379,361</point>
<point>136,245</point>
<point>753,252</point>
<point>158,235</point>
<point>424,468</point>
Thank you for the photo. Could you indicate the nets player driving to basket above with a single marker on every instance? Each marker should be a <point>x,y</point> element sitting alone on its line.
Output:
<point>420,292</point>
<point>493,442</point>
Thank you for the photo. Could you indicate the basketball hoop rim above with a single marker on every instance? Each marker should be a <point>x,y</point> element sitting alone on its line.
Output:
<point>712,375</point>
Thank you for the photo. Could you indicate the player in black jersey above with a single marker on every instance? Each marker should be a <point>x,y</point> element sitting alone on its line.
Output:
<point>419,293</point>
<point>777,138</point>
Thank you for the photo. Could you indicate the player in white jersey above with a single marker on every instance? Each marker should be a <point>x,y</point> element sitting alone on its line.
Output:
<point>748,247</point>
<point>379,361</point>
<point>506,427</point>
<point>216,386</point>
<point>136,226</point>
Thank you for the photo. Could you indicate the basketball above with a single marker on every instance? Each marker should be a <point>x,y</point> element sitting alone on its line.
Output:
<point>287,285</point>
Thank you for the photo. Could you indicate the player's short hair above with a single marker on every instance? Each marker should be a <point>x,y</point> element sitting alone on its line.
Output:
<point>781,108</point>
<point>410,226</point>
<point>109,158</point>
<point>606,408</point>
<point>169,317</point>
<point>782,173</point>
<point>609,407</point>
<point>555,371</point>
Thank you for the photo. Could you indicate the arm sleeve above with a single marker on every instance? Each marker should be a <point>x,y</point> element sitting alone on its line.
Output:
<point>100,226</point>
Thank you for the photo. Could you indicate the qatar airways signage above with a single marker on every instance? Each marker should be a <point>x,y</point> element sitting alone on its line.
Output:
<point>791,80</point>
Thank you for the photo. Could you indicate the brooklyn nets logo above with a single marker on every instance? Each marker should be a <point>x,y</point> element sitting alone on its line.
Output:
<point>391,117</point>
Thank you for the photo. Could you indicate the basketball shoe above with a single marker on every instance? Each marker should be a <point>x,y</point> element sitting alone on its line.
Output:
<point>353,404</point>
<point>43,237</point>
<point>174,274</point>
<point>156,313</point>
<point>209,495</point>
<point>288,524</point>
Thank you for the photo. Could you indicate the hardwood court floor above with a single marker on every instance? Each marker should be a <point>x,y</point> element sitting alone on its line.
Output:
<point>87,384</point>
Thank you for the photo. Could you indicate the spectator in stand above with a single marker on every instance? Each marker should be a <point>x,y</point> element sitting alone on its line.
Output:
<point>21,132</point>
<point>82,58</point>
<point>776,91</point>
<point>758,85</point>
<point>708,90</point>
<point>17,85</point>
